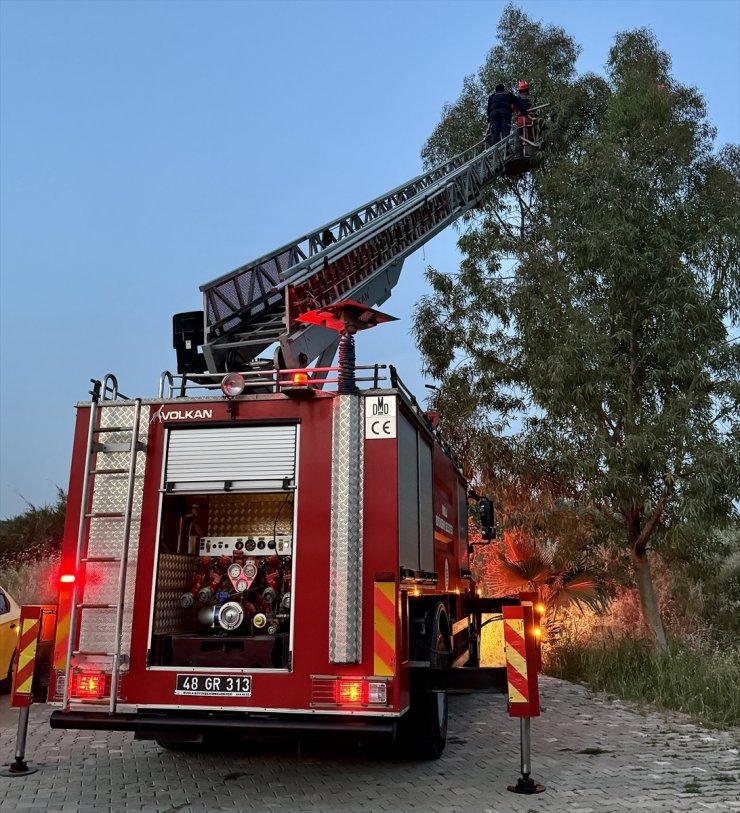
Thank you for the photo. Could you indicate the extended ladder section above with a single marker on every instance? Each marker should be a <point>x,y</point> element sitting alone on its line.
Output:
<point>357,256</point>
<point>100,616</point>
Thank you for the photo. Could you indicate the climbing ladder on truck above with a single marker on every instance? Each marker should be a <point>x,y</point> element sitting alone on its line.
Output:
<point>105,556</point>
<point>358,256</point>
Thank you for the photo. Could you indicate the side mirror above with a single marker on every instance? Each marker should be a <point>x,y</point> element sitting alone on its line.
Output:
<point>488,531</point>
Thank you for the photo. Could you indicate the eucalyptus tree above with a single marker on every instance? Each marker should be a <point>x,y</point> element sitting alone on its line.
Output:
<point>594,309</point>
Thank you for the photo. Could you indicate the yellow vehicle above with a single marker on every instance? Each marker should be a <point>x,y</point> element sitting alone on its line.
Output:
<point>10,612</point>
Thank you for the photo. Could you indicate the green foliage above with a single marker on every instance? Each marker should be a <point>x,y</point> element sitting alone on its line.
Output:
<point>35,533</point>
<point>583,346</point>
<point>704,593</point>
<point>32,581</point>
<point>702,682</point>
<point>560,581</point>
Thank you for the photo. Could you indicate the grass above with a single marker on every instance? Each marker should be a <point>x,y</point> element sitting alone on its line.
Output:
<point>31,581</point>
<point>700,681</point>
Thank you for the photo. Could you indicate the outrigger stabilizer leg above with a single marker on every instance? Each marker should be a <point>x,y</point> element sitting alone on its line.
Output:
<point>526,784</point>
<point>20,767</point>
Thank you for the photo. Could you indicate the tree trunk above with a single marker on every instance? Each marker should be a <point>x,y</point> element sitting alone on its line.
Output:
<point>648,600</point>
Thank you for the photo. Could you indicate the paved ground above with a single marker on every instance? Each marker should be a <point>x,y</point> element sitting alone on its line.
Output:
<point>592,754</point>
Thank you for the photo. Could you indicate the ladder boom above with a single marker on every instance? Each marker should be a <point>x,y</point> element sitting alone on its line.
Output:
<point>357,256</point>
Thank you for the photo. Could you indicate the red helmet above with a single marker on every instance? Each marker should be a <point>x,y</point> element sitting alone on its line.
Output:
<point>523,85</point>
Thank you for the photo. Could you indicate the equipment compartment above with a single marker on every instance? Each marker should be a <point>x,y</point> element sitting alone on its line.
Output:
<point>224,577</point>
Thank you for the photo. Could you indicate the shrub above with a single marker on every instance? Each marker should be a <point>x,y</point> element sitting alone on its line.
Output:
<point>32,580</point>
<point>35,533</point>
<point>698,679</point>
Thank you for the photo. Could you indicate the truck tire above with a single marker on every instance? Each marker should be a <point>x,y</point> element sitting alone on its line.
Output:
<point>423,733</point>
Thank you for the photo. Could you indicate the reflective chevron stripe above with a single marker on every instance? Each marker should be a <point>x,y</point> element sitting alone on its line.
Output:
<point>522,660</point>
<point>385,629</point>
<point>27,655</point>
<point>516,660</point>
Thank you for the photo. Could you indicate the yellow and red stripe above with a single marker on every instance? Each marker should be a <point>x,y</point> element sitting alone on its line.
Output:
<point>27,655</point>
<point>37,626</point>
<point>516,660</point>
<point>62,629</point>
<point>521,661</point>
<point>384,644</point>
<point>27,645</point>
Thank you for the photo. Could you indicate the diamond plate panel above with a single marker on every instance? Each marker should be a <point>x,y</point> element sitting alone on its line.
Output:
<point>250,514</point>
<point>123,415</point>
<point>345,565</point>
<point>110,490</point>
<point>105,534</point>
<point>98,626</point>
<point>106,537</point>
<point>174,577</point>
<point>101,581</point>
<point>98,631</point>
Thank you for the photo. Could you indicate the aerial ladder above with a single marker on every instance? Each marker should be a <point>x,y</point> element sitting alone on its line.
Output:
<point>358,256</point>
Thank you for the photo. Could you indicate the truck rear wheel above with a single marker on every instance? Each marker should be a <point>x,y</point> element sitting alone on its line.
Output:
<point>423,732</point>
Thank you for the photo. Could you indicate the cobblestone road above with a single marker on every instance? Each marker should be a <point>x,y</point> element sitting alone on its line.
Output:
<point>591,753</point>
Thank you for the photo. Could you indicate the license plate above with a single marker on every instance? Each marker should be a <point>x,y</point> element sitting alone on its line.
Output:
<point>214,685</point>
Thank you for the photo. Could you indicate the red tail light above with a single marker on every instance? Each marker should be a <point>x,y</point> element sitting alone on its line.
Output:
<point>350,691</point>
<point>67,578</point>
<point>88,685</point>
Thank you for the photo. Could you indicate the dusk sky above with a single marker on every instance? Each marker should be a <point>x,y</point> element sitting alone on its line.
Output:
<point>149,147</point>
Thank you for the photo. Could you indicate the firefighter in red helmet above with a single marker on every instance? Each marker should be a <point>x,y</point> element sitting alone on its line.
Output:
<point>523,121</point>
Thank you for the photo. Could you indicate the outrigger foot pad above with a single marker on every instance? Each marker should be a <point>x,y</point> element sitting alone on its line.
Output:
<point>18,768</point>
<point>526,785</point>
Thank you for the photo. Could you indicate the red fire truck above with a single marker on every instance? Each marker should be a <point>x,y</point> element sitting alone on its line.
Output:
<point>269,546</point>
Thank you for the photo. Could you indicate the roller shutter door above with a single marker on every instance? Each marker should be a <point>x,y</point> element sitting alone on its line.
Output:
<point>239,458</point>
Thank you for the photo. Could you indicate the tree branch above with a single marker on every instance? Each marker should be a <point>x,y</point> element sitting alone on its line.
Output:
<point>505,227</point>
<point>722,414</point>
<point>654,519</point>
<point>608,424</point>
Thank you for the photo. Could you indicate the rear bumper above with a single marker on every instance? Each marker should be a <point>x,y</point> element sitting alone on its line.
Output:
<point>460,680</point>
<point>151,725</point>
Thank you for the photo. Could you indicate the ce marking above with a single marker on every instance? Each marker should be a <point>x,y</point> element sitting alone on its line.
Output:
<point>380,417</point>
<point>381,428</point>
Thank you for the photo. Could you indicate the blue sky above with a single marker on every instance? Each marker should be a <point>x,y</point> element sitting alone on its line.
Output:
<point>149,147</point>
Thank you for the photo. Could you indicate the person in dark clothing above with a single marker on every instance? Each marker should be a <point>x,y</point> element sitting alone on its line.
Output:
<point>499,114</point>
